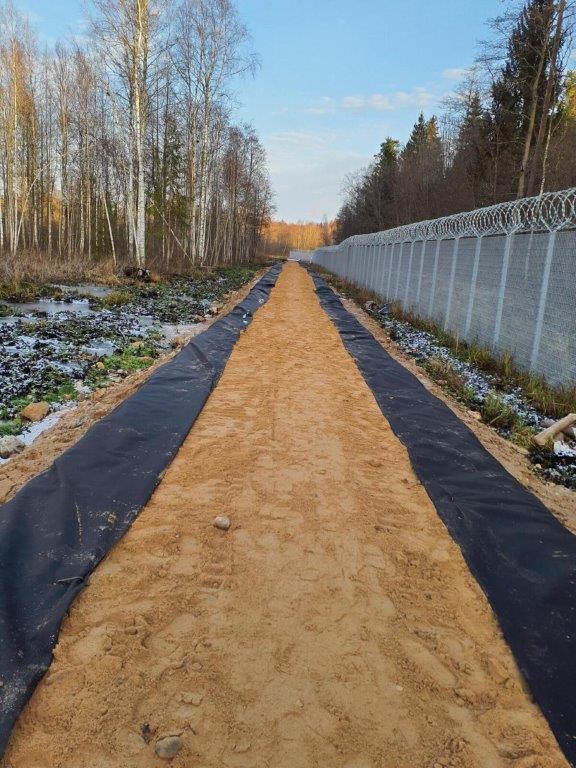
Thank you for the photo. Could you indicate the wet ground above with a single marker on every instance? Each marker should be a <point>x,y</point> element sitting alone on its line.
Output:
<point>477,388</point>
<point>69,340</point>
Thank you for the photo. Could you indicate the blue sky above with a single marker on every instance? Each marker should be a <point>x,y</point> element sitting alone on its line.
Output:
<point>336,78</point>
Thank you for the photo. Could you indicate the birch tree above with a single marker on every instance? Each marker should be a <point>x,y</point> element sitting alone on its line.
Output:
<point>130,35</point>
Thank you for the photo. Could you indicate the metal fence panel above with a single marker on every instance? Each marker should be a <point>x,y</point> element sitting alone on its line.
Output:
<point>557,354</point>
<point>462,285</point>
<point>501,276</point>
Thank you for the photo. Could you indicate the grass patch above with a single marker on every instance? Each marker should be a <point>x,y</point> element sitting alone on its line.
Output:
<point>553,402</point>
<point>136,357</point>
<point>22,292</point>
<point>11,427</point>
<point>522,435</point>
<point>117,299</point>
<point>442,372</point>
<point>498,413</point>
<point>65,391</point>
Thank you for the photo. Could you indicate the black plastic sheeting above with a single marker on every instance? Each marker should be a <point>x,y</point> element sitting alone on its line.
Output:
<point>522,557</point>
<point>63,522</point>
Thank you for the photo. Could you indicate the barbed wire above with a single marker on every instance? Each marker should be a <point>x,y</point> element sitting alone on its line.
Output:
<point>549,212</point>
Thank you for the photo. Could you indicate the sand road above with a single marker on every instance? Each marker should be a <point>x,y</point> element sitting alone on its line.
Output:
<point>334,625</point>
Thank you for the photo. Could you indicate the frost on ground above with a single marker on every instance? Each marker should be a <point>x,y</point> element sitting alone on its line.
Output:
<point>479,389</point>
<point>58,349</point>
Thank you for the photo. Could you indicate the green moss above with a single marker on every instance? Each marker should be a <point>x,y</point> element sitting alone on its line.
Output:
<point>65,391</point>
<point>11,427</point>
<point>136,357</point>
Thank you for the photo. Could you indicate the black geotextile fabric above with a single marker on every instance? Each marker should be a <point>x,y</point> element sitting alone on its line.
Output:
<point>62,523</point>
<point>522,557</point>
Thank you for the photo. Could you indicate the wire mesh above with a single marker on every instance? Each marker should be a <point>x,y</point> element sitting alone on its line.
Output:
<point>501,276</point>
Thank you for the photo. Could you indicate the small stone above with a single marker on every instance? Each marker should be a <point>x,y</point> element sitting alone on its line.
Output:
<point>222,522</point>
<point>242,746</point>
<point>192,698</point>
<point>35,411</point>
<point>100,365</point>
<point>168,747</point>
<point>10,445</point>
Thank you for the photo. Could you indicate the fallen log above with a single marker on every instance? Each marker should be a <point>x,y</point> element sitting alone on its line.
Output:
<point>544,437</point>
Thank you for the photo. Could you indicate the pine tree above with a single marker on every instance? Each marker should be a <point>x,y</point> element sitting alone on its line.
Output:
<point>471,166</point>
<point>518,96</point>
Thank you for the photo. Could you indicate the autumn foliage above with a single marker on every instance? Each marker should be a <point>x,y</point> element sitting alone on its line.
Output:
<point>281,237</point>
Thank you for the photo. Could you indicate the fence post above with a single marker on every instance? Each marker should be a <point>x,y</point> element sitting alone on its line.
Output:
<point>451,286</point>
<point>502,291</point>
<point>398,272</point>
<point>434,275</point>
<point>373,270</point>
<point>386,270</point>
<point>473,281</point>
<point>542,301</point>
<point>409,275</point>
<point>377,268</point>
<point>388,297</point>
<point>420,272</point>
<point>366,270</point>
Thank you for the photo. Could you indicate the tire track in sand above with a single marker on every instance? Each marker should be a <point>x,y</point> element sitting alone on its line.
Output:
<point>335,625</point>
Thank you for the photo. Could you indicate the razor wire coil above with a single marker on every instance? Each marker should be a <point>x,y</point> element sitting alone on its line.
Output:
<point>549,212</point>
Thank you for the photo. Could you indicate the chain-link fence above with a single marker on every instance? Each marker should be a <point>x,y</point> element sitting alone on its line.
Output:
<point>502,276</point>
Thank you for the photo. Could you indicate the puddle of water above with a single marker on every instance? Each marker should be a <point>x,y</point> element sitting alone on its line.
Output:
<point>90,289</point>
<point>79,307</point>
<point>183,329</point>
<point>100,348</point>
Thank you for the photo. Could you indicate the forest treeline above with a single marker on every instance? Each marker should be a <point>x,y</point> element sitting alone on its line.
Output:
<point>121,144</point>
<point>281,237</point>
<point>508,132</point>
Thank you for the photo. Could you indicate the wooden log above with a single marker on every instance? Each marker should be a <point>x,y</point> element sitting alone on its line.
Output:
<point>544,437</point>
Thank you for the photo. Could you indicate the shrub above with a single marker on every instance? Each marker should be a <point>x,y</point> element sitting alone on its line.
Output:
<point>498,413</point>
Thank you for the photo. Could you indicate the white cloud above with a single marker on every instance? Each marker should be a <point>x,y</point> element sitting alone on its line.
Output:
<point>455,73</point>
<point>307,169</point>
<point>381,101</point>
<point>418,98</point>
<point>326,105</point>
<point>354,102</point>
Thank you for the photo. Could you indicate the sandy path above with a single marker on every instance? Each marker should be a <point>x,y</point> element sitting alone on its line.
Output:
<point>335,625</point>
